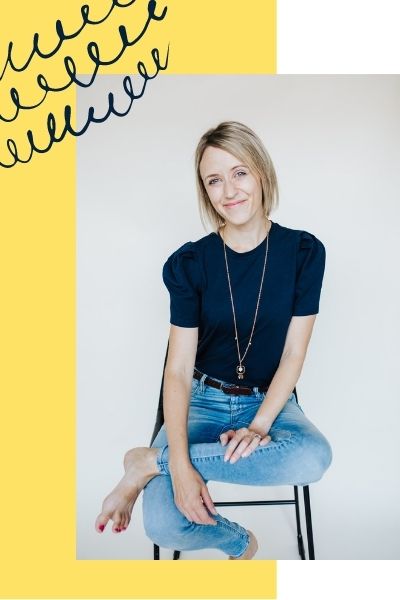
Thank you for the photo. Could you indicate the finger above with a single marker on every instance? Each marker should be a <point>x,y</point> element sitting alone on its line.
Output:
<point>202,517</point>
<point>255,442</point>
<point>205,494</point>
<point>265,440</point>
<point>231,448</point>
<point>226,436</point>
<point>235,441</point>
<point>186,514</point>
<point>240,449</point>
<point>191,515</point>
<point>183,510</point>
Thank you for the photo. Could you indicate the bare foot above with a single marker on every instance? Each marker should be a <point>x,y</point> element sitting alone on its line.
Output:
<point>250,550</point>
<point>140,466</point>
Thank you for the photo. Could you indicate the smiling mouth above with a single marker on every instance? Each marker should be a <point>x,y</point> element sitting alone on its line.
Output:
<point>234,203</point>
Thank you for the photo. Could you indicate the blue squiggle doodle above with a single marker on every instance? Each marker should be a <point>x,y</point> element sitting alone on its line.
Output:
<point>51,120</point>
<point>62,36</point>
<point>70,67</point>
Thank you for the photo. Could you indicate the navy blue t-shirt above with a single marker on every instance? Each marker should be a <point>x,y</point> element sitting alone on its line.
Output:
<point>195,276</point>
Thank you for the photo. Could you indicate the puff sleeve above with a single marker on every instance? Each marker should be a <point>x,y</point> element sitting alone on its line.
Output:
<point>310,267</point>
<point>182,277</point>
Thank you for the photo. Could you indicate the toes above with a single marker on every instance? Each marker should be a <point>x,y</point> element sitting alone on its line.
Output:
<point>101,522</point>
<point>127,521</point>
<point>117,527</point>
<point>124,522</point>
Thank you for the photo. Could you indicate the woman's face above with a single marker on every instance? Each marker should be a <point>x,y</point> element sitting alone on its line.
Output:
<point>234,191</point>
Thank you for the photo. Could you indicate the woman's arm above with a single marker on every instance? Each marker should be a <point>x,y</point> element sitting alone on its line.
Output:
<point>190,491</point>
<point>285,378</point>
<point>288,372</point>
<point>177,387</point>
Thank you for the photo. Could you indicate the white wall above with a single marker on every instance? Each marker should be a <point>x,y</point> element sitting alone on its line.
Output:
<point>338,36</point>
<point>334,141</point>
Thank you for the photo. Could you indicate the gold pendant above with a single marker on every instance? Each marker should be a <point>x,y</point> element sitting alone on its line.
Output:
<point>240,371</point>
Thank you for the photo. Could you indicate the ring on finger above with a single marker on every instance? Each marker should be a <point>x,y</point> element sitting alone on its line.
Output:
<point>257,435</point>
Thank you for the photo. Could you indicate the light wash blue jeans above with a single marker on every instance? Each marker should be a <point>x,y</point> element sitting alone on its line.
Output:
<point>297,454</point>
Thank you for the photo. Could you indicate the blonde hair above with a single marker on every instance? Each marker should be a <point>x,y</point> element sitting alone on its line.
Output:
<point>240,141</point>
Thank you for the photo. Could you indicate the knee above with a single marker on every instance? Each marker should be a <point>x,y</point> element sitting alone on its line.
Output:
<point>166,532</point>
<point>163,523</point>
<point>316,456</point>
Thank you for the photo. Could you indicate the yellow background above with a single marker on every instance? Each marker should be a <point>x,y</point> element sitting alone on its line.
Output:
<point>37,327</point>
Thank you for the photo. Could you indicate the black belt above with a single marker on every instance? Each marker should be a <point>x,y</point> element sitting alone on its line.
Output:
<point>230,388</point>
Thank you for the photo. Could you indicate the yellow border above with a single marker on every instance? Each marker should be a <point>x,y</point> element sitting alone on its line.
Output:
<point>37,248</point>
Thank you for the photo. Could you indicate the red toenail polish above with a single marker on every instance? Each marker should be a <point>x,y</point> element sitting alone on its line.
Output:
<point>101,527</point>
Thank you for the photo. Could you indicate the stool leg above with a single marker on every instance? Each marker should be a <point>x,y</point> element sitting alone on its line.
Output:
<point>156,552</point>
<point>300,543</point>
<point>307,508</point>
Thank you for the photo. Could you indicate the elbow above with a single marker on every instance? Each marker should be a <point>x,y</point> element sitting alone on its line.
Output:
<point>294,357</point>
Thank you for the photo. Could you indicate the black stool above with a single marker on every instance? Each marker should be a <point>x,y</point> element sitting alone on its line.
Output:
<point>294,500</point>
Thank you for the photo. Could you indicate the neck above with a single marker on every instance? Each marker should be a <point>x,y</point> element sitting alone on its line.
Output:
<point>243,238</point>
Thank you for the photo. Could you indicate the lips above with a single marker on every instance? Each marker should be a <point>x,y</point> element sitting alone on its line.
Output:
<point>234,203</point>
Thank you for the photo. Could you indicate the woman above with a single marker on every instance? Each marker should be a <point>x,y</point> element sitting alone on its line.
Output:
<point>243,304</point>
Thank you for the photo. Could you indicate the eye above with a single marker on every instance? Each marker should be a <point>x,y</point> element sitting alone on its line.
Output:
<point>212,181</point>
<point>240,173</point>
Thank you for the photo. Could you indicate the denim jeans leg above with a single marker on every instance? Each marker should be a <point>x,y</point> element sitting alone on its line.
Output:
<point>164,524</point>
<point>167,527</point>
<point>298,454</point>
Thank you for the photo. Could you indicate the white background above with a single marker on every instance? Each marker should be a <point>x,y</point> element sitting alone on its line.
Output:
<point>340,36</point>
<point>334,142</point>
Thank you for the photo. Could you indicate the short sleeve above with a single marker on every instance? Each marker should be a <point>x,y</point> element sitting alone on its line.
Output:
<point>310,267</point>
<point>181,275</point>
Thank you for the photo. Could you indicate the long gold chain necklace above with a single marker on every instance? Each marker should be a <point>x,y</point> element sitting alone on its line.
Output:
<point>240,369</point>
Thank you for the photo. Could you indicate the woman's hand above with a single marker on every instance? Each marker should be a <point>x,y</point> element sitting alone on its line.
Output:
<point>242,442</point>
<point>192,496</point>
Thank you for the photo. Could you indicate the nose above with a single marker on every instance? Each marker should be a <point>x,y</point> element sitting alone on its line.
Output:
<point>229,188</point>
